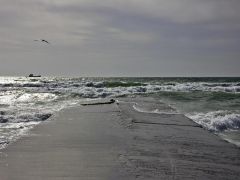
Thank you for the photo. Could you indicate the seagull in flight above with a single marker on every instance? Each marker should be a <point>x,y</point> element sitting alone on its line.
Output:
<point>42,40</point>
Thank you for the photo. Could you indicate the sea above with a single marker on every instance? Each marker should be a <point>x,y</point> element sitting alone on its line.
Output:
<point>212,102</point>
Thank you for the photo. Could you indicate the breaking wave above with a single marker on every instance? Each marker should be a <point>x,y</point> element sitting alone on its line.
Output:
<point>217,121</point>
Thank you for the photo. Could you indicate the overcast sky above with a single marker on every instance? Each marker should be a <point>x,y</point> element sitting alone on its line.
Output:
<point>120,37</point>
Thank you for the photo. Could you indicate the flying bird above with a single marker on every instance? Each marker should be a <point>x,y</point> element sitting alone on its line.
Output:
<point>42,40</point>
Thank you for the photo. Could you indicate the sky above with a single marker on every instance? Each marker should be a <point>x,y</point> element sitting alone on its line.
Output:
<point>120,37</point>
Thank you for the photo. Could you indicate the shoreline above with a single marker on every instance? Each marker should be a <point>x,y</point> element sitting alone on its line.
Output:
<point>107,142</point>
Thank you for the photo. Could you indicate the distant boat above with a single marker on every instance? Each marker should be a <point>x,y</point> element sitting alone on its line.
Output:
<point>32,75</point>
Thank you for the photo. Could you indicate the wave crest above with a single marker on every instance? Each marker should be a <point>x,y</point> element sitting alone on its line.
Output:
<point>217,121</point>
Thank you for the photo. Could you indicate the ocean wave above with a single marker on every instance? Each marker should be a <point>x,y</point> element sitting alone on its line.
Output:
<point>83,85</point>
<point>217,121</point>
<point>153,108</point>
<point>98,90</point>
<point>136,87</point>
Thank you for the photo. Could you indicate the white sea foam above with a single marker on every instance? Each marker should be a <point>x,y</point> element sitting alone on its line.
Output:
<point>10,132</point>
<point>148,109</point>
<point>193,86</point>
<point>217,120</point>
<point>7,98</point>
<point>35,97</point>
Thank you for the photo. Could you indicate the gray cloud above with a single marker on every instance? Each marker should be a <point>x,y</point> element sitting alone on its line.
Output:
<point>120,37</point>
